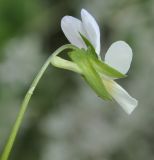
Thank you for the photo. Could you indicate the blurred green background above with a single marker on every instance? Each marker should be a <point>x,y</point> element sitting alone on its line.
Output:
<point>65,119</point>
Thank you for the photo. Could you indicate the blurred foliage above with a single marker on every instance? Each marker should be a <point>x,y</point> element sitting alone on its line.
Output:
<point>65,119</point>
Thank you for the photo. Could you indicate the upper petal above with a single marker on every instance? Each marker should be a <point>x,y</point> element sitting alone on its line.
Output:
<point>72,27</point>
<point>127,102</point>
<point>92,29</point>
<point>119,56</point>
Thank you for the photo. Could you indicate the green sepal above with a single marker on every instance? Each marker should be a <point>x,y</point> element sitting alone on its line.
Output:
<point>84,61</point>
<point>100,65</point>
<point>89,45</point>
<point>105,69</point>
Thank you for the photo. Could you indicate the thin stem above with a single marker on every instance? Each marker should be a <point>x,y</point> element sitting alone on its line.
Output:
<point>17,124</point>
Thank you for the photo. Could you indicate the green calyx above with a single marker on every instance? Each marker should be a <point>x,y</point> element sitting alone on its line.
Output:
<point>94,69</point>
<point>84,60</point>
<point>99,64</point>
<point>87,63</point>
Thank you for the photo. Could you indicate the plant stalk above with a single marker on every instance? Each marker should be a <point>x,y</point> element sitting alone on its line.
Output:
<point>9,144</point>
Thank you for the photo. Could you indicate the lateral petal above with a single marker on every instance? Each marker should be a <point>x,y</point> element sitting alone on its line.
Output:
<point>119,56</point>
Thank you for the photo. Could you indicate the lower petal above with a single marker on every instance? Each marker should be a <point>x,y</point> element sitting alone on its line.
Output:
<point>127,102</point>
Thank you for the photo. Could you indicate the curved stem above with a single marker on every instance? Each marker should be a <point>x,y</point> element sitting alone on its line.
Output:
<point>15,129</point>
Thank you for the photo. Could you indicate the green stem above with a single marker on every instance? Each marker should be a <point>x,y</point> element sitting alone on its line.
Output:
<point>15,129</point>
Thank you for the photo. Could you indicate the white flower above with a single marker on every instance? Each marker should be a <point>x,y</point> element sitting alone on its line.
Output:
<point>118,56</point>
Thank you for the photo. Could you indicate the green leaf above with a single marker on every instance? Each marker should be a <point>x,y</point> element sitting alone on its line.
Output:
<point>83,60</point>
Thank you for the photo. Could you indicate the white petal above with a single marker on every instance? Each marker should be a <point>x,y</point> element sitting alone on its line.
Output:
<point>127,102</point>
<point>119,56</point>
<point>72,27</point>
<point>92,29</point>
